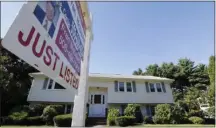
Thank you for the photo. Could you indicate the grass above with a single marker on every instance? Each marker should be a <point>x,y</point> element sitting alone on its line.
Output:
<point>139,126</point>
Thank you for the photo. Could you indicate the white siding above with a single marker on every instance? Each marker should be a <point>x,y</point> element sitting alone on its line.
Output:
<point>140,96</point>
<point>36,93</point>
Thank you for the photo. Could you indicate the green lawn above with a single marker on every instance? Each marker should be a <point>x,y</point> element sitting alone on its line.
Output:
<point>143,126</point>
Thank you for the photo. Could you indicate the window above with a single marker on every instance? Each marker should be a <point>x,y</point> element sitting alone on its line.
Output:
<point>97,99</point>
<point>163,87</point>
<point>152,89</point>
<point>45,83</point>
<point>129,87</point>
<point>121,86</point>
<point>58,86</point>
<point>158,87</point>
<point>50,84</point>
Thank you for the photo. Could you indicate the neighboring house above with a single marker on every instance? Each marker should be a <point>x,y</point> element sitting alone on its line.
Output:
<point>105,91</point>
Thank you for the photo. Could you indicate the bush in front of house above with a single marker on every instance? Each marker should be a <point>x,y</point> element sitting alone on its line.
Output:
<point>125,121</point>
<point>36,121</point>
<point>197,113</point>
<point>134,110</point>
<point>48,114</point>
<point>162,114</point>
<point>147,120</point>
<point>112,114</point>
<point>17,118</point>
<point>196,120</point>
<point>63,120</point>
<point>59,109</point>
<point>36,110</point>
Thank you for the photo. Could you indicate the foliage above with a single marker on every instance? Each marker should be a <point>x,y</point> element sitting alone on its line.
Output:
<point>197,113</point>
<point>134,110</point>
<point>178,113</point>
<point>211,112</point>
<point>196,120</point>
<point>18,118</point>
<point>63,120</point>
<point>112,114</point>
<point>162,114</point>
<point>191,98</point>
<point>34,121</point>
<point>48,114</point>
<point>15,81</point>
<point>211,72</point>
<point>23,108</point>
<point>147,120</point>
<point>59,108</point>
<point>36,110</point>
<point>125,121</point>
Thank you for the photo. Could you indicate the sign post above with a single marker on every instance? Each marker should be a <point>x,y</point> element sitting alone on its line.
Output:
<point>54,37</point>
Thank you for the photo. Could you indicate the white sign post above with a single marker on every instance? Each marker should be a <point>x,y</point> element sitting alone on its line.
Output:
<point>51,36</point>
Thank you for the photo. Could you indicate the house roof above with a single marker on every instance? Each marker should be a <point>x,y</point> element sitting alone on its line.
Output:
<point>118,76</point>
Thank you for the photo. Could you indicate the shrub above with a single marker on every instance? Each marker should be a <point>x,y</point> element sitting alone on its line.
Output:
<point>134,110</point>
<point>162,114</point>
<point>37,120</point>
<point>19,108</point>
<point>211,112</point>
<point>196,120</point>
<point>36,110</point>
<point>178,114</point>
<point>112,114</point>
<point>48,114</point>
<point>18,118</point>
<point>125,121</point>
<point>196,113</point>
<point>147,120</point>
<point>63,120</point>
<point>59,108</point>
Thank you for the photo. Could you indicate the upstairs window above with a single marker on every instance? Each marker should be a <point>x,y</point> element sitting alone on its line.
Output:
<point>58,86</point>
<point>129,87</point>
<point>152,88</point>
<point>50,84</point>
<point>158,85</point>
<point>121,86</point>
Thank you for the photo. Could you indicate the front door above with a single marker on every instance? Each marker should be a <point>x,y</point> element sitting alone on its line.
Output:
<point>97,105</point>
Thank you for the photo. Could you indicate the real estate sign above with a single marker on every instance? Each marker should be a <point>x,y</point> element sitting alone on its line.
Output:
<point>50,36</point>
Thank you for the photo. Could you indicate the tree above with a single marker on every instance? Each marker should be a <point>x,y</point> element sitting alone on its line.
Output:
<point>14,80</point>
<point>211,72</point>
<point>153,70</point>
<point>199,77</point>
<point>138,72</point>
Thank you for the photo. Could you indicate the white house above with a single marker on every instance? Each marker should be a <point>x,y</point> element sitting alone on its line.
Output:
<point>105,91</point>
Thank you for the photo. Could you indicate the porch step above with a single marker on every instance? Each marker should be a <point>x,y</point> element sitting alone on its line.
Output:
<point>92,121</point>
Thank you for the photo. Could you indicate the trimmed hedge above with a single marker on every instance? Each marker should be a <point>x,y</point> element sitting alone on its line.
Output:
<point>59,108</point>
<point>36,110</point>
<point>134,110</point>
<point>112,114</point>
<point>63,120</point>
<point>125,121</point>
<point>196,120</point>
<point>17,118</point>
<point>37,120</point>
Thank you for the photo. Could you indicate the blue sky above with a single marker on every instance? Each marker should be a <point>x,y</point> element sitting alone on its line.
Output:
<point>132,35</point>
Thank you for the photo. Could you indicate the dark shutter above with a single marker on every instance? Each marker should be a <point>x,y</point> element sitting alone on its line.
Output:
<point>45,83</point>
<point>147,86</point>
<point>134,86</point>
<point>116,86</point>
<point>163,87</point>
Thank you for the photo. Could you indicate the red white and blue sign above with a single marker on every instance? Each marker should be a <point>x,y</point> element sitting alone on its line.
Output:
<point>50,35</point>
